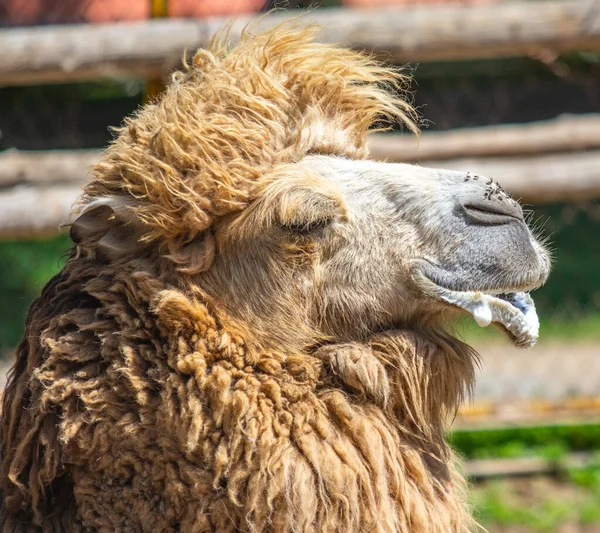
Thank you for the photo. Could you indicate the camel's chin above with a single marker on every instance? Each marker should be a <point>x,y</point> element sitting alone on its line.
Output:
<point>513,309</point>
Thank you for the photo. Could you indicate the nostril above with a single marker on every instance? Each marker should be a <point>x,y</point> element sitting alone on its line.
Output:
<point>493,212</point>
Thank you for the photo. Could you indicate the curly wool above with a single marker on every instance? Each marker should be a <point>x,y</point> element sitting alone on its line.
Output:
<point>174,424</point>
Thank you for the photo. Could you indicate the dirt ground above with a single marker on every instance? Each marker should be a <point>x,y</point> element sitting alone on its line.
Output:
<point>548,371</point>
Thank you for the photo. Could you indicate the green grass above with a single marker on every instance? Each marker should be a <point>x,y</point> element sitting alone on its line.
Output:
<point>568,502</point>
<point>25,267</point>
<point>586,327</point>
<point>544,441</point>
<point>537,505</point>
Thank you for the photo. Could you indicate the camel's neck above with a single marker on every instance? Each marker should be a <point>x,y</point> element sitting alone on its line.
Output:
<point>430,374</point>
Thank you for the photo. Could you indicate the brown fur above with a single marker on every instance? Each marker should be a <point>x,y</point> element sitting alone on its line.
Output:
<point>145,399</point>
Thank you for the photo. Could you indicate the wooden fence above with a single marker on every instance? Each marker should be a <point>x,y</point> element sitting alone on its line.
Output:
<point>540,162</point>
<point>149,48</point>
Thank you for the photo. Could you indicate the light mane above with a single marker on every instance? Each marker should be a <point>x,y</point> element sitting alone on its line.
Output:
<point>234,114</point>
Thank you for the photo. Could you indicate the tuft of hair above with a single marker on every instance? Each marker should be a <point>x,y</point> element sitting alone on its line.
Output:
<point>234,114</point>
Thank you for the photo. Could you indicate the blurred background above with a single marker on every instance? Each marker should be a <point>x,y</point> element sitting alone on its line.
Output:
<point>506,89</point>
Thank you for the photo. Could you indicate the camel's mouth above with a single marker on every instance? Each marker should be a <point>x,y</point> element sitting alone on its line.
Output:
<point>514,309</point>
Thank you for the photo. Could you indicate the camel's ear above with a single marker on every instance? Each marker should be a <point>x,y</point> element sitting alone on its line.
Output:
<point>109,227</point>
<point>92,224</point>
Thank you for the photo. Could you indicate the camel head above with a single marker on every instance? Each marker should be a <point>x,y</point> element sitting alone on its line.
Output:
<point>251,178</point>
<point>352,247</point>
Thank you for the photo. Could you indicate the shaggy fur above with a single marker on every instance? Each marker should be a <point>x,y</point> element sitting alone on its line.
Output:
<point>139,402</point>
<point>232,117</point>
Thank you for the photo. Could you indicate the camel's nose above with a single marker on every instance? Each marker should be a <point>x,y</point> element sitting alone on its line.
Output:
<point>483,201</point>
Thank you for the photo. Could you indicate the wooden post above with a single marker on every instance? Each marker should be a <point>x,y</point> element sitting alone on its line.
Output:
<point>155,85</point>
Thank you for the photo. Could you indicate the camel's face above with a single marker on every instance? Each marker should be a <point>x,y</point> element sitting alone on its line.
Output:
<point>418,239</point>
<point>355,246</point>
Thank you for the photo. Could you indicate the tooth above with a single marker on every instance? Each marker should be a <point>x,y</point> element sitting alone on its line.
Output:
<point>483,314</point>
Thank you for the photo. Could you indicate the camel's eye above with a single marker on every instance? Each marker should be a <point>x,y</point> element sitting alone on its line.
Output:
<point>302,206</point>
<point>304,227</point>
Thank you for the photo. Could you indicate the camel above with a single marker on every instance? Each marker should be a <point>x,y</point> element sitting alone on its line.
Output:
<point>253,330</point>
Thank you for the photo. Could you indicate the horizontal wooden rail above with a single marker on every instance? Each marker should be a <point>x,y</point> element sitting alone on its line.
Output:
<point>568,133</point>
<point>494,415</point>
<point>54,54</point>
<point>32,212</point>
<point>539,178</point>
<point>45,167</point>
<point>37,207</point>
